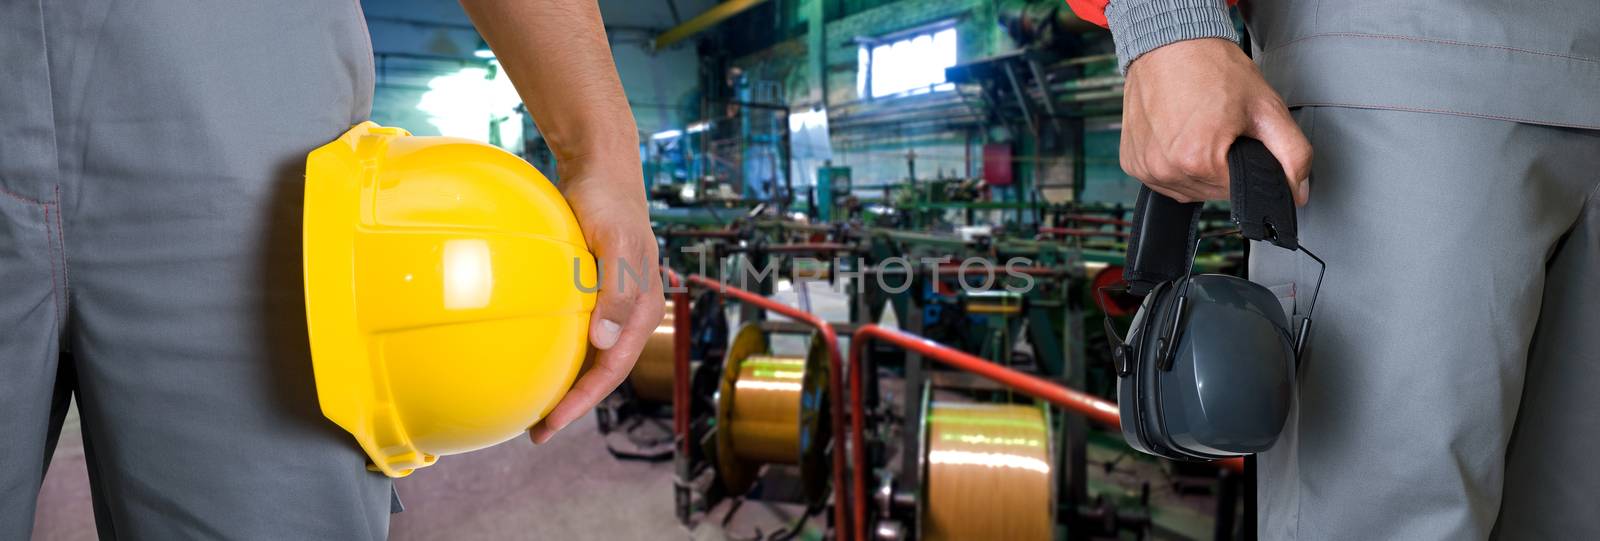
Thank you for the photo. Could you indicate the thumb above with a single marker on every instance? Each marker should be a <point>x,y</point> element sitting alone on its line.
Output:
<point>618,299</point>
<point>1278,131</point>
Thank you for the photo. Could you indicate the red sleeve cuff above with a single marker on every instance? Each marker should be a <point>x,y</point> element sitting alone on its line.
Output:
<point>1093,11</point>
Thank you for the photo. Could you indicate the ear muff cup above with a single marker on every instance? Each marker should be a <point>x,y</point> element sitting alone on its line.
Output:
<point>1137,399</point>
<point>1153,378</point>
<point>1163,409</point>
<point>1149,373</point>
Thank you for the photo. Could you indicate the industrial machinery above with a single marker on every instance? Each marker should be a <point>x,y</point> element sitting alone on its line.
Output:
<point>1018,298</point>
<point>984,426</point>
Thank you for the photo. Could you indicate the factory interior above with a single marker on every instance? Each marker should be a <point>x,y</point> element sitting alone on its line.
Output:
<point>893,236</point>
<point>949,139</point>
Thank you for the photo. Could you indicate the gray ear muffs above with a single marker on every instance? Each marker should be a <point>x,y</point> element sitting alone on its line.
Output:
<point>1207,369</point>
<point>1133,393</point>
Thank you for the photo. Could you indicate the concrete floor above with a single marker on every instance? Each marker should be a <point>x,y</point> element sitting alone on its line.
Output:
<point>568,488</point>
<point>64,512</point>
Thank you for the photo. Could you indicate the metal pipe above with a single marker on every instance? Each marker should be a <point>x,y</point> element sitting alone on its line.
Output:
<point>814,247</point>
<point>956,269</point>
<point>1074,232</point>
<point>1096,409</point>
<point>702,233</point>
<point>1086,219</point>
<point>835,382</point>
<point>699,23</point>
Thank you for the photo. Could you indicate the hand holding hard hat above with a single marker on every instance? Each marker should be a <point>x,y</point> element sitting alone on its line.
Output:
<point>449,290</point>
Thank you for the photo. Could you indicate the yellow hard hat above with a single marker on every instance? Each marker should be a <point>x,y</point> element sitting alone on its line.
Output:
<point>444,293</point>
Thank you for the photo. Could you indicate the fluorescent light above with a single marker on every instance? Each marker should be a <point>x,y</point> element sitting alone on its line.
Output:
<point>698,127</point>
<point>665,135</point>
<point>483,53</point>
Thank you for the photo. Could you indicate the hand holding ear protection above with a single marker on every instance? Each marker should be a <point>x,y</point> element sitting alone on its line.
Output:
<point>1207,370</point>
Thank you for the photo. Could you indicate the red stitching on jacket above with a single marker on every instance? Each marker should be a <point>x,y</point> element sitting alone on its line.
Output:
<point>21,198</point>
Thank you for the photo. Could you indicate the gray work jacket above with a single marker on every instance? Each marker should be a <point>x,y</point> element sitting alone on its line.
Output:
<point>1533,62</point>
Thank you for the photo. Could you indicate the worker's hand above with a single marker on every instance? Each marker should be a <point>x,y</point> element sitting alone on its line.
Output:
<point>1185,103</point>
<point>608,198</point>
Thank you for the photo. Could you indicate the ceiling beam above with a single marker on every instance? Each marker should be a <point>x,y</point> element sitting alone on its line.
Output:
<point>711,17</point>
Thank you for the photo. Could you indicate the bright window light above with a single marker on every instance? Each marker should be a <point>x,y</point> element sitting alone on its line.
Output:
<point>468,102</point>
<point>913,65</point>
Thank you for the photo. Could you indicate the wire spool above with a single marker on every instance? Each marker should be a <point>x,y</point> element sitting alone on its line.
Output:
<point>993,302</point>
<point>772,410</point>
<point>812,270</point>
<point>988,473</point>
<point>651,378</point>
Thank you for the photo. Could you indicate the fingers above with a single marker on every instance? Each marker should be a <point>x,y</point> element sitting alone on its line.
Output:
<point>1278,131</point>
<point>1188,172</point>
<point>628,308</point>
<point>640,312</point>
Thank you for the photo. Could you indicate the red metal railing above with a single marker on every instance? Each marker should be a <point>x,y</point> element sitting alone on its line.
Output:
<point>1094,408</point>
<point>1086,219</point>
<point>835,382</point>
<point>680,361</point>
<point>700,233</point>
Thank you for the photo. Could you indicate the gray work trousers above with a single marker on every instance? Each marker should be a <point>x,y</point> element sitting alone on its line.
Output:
<point>1451,387</point>
<point>151,169</point>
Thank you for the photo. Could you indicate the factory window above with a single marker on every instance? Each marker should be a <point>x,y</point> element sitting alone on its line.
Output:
<point>903,66</point>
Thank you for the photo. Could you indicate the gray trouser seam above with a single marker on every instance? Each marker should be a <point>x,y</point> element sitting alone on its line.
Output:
<point>61,241</point>
<point>1593,192</point>
<point>1309,133</point>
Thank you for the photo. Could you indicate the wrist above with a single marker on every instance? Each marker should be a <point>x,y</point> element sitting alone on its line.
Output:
<point>1141,26</point>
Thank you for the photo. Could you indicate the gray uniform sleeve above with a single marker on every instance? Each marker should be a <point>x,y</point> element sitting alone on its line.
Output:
<point>1140,26</point>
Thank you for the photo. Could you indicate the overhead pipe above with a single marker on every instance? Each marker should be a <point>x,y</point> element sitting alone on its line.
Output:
<point>1094,408</point>
<point>699,23</point>
<point>835,381</point>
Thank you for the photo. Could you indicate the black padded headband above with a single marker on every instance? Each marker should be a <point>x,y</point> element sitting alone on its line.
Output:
<point>1165,232</point>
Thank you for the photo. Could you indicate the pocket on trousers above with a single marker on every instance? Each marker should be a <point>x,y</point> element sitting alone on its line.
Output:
<point>1285,293</point>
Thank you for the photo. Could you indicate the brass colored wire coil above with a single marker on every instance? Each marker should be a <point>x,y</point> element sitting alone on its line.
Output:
<point>766,423</point>
<point>989,473</point>
<point>772,410</point>
<point>652,374</point>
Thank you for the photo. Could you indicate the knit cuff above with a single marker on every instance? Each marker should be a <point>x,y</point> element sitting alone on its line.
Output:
<point>1140,26</point>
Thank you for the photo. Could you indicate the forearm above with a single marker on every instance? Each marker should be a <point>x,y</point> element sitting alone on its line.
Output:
<point>1140,26</point>
<point>555,52</point>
